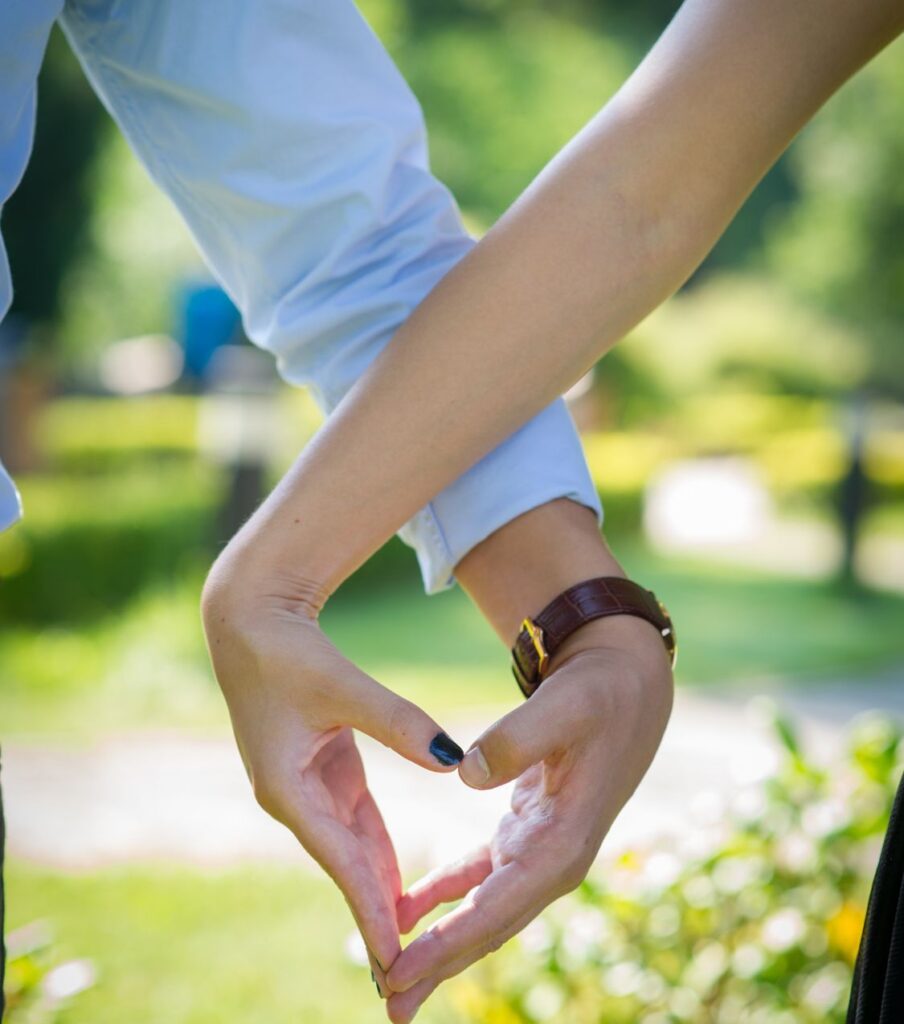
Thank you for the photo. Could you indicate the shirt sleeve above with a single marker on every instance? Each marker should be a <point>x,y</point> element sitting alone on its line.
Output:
<point>297,155</point>
<point>10,502</point>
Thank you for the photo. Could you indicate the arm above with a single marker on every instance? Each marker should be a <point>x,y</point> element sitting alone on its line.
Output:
<point>578,747</point>
<point>609,229</point>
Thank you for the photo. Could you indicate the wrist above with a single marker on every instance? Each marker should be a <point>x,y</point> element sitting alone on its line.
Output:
<point>248,578</point>
<point>523,565</point>
<point>627,635</point>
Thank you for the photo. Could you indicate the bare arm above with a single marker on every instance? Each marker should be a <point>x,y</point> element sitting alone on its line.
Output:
<point>608,230</point>
<point>614,224</point>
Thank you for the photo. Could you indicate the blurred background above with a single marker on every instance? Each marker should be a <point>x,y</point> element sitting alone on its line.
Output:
<point>748,444</point>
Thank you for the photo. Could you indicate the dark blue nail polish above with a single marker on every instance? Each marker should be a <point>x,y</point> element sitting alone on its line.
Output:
<point>446,750</point>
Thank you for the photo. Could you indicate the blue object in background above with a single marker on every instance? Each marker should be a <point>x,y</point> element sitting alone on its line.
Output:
<point>209,321</point>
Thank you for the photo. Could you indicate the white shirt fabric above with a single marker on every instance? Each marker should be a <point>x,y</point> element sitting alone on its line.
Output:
<point>297,156</point>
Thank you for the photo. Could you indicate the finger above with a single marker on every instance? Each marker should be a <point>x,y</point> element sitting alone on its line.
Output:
<point>378,975</point>
<point>558,714</point>
<point>477,926</point>
<point>348,864</point>
<point>397,723</point>
<point>403,1006</point>
<point>370,822</point>
<point>445,884</point>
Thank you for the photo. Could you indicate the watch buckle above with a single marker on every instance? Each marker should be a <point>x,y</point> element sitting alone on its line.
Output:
<point>668,635</point>
<point>535,633</point>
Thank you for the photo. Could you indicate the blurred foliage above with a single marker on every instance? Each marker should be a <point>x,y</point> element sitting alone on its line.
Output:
<point>93,434</point>
<point>506,101</point>
<point>840,244</point>
<point>91,542</point>
<point>46,225</point>
<point>128,281</point>
<point>753,916</point>
<point>749,334</point>
<point>38,987</point>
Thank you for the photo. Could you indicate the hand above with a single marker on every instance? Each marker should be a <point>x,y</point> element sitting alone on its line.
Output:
<point>578,748</point>
<point>294,700</point>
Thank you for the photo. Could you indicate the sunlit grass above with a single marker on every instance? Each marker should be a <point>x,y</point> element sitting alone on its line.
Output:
<point>263,945</point>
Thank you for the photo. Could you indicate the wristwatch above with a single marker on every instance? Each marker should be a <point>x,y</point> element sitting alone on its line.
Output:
<point>542,635</point>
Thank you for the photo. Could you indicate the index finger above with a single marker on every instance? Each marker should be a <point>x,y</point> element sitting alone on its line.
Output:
<point>353,870</point>
<point>493,912</point>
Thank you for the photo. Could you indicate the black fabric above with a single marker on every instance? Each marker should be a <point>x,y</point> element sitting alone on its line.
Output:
<point>877,993</point>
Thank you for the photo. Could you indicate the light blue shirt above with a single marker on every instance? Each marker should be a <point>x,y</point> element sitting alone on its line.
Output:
<point>297,155</point>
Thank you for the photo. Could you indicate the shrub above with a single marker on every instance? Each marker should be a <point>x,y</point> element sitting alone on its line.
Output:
<point>87,544</point>
<point>755,919</point>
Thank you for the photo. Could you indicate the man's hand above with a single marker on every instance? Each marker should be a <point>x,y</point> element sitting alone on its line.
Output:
<point>578,748</point>
<point>294,701</point>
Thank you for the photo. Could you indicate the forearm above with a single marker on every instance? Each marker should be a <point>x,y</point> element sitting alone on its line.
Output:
<point>521,567</point>
<point>612,227</point>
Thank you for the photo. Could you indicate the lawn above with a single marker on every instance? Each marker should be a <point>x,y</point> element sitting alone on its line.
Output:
<point>144,664</point>
<point>174,945</point>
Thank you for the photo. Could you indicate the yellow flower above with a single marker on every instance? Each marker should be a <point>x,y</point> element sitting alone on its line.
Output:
<point>844,929</point>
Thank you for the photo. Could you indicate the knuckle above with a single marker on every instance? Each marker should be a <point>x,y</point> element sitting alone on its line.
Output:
<point>586,698</point>
<point>265,794</point>
<point>500,749</point>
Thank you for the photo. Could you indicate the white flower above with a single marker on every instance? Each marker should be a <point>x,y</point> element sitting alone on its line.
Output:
<point>543,1001</point>
<point>783,929</point>
<point>707,966</point>
<point>733,874</point>
<point>661,869</point>
<point>663,921</point>
<point>748,960</point>
<point>623,979</point>
<point>536,937</point>
<point>68,980</point>
<point>583,933</point>
<point>826,988</point>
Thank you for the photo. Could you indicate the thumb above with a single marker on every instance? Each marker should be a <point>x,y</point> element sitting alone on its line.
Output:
<point>399,724</point>
<point>555,717</point>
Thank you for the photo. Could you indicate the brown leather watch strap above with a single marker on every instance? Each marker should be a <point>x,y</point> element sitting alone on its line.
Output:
<point>541,636</point>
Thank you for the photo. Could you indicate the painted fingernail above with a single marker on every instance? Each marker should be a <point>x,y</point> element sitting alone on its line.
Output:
<point>373,978</point>
<point>446,750</point>
<point>474,769</point>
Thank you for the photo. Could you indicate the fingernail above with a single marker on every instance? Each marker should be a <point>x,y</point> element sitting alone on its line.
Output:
<point>373,978</point>
<point>446,750</point>
<point>474,769</point>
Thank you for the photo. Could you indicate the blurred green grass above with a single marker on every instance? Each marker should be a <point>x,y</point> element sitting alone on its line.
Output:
<point>258,944</point>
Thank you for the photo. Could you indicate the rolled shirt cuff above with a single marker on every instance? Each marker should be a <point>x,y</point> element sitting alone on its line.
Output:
<point>540,462</point>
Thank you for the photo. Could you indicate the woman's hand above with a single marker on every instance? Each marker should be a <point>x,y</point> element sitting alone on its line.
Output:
<point>578,748</point>
<point>294,700</point>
